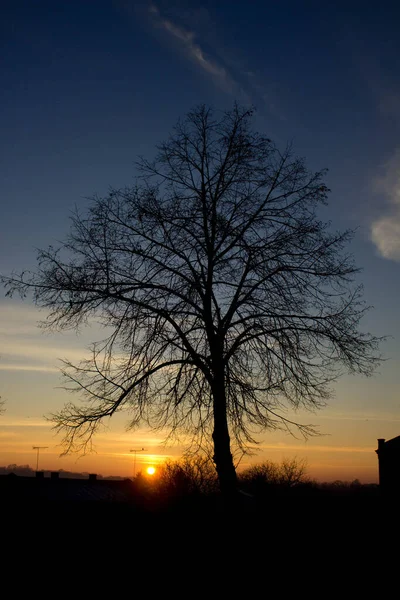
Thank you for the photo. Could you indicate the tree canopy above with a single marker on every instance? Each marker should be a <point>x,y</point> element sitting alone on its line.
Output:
<point>228,299</point>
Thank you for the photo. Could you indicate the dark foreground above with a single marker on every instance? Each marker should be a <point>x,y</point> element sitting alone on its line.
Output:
<point>283,544</point>
<point>72,509</point>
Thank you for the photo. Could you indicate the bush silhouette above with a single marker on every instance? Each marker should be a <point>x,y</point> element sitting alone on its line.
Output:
<point>268,476</point>
<point>187,477</point>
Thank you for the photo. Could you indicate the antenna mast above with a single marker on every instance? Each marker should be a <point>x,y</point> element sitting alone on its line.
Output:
<point>38,448</point>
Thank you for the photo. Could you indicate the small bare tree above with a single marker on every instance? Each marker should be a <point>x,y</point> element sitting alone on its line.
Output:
<point>293,472</point>
<point>189,475</point>
<point>227,297</point>
<point>290,473</point>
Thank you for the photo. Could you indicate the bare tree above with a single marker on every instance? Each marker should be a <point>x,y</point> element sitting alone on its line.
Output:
<point>293,472</point>
<point>228,299</point>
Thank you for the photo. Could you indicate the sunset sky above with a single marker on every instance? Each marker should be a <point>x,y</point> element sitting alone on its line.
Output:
<point>88,85</point>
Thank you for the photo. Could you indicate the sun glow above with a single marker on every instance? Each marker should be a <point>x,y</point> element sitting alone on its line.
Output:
<point>150,470</point>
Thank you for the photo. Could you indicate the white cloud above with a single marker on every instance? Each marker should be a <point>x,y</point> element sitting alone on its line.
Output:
<point>385,234</point>
<point>385,230</point>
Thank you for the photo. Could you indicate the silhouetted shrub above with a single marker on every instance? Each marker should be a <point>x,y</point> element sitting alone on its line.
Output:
<point>187,479</point>
<point>188,476</point>
<point>259,479</point>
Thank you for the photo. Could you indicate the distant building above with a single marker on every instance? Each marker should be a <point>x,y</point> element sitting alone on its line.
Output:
<point>389,465</point>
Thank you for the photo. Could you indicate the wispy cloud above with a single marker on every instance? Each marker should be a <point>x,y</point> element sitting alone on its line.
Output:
<point>199,38</point>
<point>146,437</point>
<point>7,435</point>
<point>192,49</point>
<point>19,422</point>
<point>27,355</point>
<point>385,230</point>
<point>40,351</point>
<point>24,346</point>
<point>310,448</point>
<point>33,368</point>
<point>383,417</point>
<point>142,458</point>
<point>17,319</point>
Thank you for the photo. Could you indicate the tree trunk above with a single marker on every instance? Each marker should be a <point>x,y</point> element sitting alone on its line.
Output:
<point>222,444</point>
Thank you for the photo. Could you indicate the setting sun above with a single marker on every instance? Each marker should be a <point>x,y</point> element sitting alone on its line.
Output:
<point>150,470</point>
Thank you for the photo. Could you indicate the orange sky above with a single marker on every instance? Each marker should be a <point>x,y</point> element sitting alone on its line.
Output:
<point>29,381</point>
<point>326,459</point>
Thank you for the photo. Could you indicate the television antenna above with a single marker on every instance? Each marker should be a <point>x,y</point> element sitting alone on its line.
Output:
<point>38,448</point>
<point>134,461</point>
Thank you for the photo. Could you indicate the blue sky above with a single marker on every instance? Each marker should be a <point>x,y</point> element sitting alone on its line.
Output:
<point>87,86</point>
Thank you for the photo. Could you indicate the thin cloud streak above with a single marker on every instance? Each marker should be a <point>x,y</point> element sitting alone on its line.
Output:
<point>7,422</point>
<point>142,458</point>
<point>33,368</point>
<point>333,449</point>
<point>39,352</point>
<point>19,320</point>
<point>132,438</point>
<point>25,348</point>
<point>192,49</point>
<point>197,38</point>
<point>367,417</point>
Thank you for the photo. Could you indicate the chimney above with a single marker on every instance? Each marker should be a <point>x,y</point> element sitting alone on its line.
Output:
<point>92,476</point>
<point>55,475</point>
<point>382,468</point>
<point>381,444</point>
<point>39,474</point>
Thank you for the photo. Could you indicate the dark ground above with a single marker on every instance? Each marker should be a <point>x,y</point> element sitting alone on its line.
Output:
<point>296,534</point>
<point>203,548</point>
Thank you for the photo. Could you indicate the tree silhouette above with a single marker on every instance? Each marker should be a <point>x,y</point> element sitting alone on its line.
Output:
<point>189,475</point>
<point>228,299</point>
<point>289,473</point>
